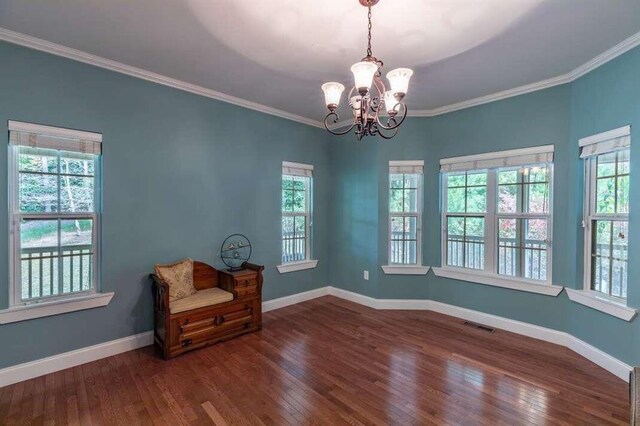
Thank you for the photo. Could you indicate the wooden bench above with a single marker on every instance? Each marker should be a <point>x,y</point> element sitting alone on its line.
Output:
<point>179,328</point>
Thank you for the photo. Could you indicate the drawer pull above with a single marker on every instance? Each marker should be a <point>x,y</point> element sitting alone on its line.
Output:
<point>186,343</point>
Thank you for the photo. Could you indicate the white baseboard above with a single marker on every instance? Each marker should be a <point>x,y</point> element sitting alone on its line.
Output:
<point>281,302</point>
<point>40,367</point>
<point>65,360</point>
<point>593,354</point>
<point>518,327</point>
<point>599,357</point>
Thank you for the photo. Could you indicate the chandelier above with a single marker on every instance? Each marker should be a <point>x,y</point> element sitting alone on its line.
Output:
<point>376,110</point>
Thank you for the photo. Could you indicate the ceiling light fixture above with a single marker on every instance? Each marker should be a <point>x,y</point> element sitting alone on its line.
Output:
<point>369,98</point>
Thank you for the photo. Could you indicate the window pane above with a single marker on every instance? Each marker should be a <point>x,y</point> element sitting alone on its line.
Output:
<point>77,254</point>
<point>38,258</point>
<point>456,180</point>
<point>538,198</point>
<point>623,162</point>
<point>299,196</point>
<point>508,198</point>
<point>455,200</point>
<point>38,193</point>
<point>535,249</point>
<point>465,242</point>
<point>76,194</point>
<point>37,160</point>
<point>606,164</point>
<point>410,228</point>
<point>411,200</point>
<point>610,257</point>
<point>77,163</point>
<point>474,243</point>
<point>411,180</point>
<point>623,195</point>
<point>538,174</point>
<point>522,248</point>
<point>507,247</point>
<point>410,252</point>
<point>477,178</point>
<point>299,225</point>
<point>476,200</point>
<point>606,195</point>
<point>396,202</point>
<point>396,180</point>
<point>507,176</point>
<point>455,241</point>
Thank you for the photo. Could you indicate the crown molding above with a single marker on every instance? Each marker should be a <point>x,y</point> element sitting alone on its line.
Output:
<point>596,62</point>
<point>87,58</point>
<point>98,61</point>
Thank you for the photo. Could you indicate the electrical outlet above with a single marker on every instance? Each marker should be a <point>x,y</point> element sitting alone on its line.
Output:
<point>366,275</point>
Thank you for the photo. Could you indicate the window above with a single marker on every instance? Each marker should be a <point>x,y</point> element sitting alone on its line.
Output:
<point>606,212</point>
<point>405,212</point>
<point>496,216</point>
<point>297,183</point>
<point>54,204</point>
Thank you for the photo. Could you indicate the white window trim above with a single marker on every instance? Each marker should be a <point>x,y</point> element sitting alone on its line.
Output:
<point>405,269</point>
<point>480,277</point>
<point>55,307</point>
<point>297,266</point>
<point>52,305</point>
<point>402,268</point>
<point>490,276</point>
<point>587,296</point>
<point>299,169</point>
<point>602,303</point>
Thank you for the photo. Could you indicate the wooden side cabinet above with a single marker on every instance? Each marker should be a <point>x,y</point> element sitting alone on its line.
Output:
<point>245,284</point>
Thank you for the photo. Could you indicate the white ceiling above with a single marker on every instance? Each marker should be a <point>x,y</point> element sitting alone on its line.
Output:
<point>279,52</point>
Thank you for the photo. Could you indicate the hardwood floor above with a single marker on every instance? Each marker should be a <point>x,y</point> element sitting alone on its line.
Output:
<point>329,361</point>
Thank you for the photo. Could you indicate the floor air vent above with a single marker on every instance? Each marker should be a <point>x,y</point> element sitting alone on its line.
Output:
<point>479,326</point>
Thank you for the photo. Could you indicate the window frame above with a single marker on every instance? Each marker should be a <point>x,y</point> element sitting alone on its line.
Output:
<point>15,216</point>
<point>489,275</point>
<point>306,171</point>
<point>418,214</point>
<point>590,215</point>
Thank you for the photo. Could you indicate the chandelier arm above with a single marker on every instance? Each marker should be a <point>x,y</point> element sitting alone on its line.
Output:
<point>393,120</point>
<point>387,137</point>
<point>336,117</point>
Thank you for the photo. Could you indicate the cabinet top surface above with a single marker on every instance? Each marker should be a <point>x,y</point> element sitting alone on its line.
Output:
<point>240,273</point>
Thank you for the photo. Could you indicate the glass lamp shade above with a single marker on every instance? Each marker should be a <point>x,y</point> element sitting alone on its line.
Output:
<point>390,101</point>
<point>332,92</point>
<point>363,73</point>
<point>399,80</point>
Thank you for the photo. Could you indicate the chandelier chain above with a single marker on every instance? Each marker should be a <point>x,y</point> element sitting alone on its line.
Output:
<point>369,53</point>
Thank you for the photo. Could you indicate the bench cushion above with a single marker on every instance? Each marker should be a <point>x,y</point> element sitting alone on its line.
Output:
<point>200,299</point>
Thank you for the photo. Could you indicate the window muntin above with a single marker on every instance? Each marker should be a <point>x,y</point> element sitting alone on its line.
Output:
<point>465,218</point>
<point>606,223</point>
<point>405,216</point>
<point>296,218</point>
<point>54,198</point>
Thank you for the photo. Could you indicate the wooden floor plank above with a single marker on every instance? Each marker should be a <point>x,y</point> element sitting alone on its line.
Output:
<point>330,361</point>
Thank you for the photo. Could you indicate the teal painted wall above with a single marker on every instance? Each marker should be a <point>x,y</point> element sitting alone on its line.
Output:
<point>606,98</point>
<point>181,172</point>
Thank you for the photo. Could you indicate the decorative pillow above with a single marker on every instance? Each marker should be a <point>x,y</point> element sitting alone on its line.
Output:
<point>179,278</point>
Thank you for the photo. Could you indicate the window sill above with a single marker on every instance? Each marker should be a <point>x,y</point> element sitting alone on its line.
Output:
<point>54,307</point>
<point>602,304</point>
<point>297,266</point>
<point>405,270</point>
<point>492,280</point>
